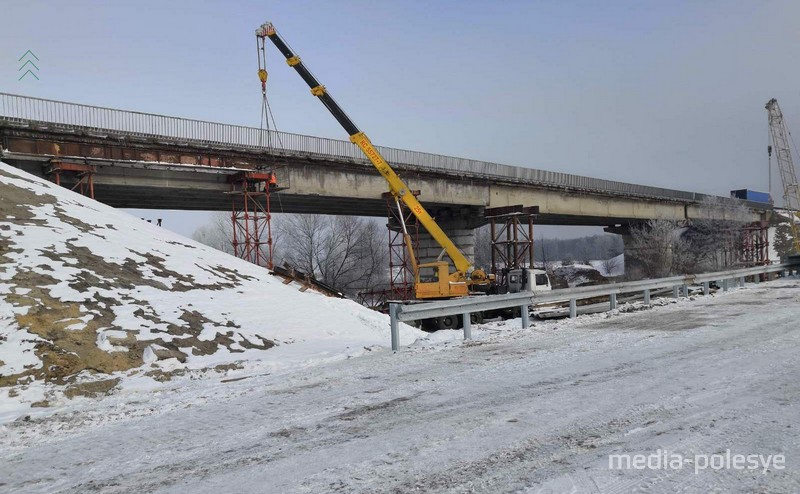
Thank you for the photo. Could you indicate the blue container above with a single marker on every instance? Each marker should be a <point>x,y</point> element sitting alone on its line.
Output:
<point>751,195</point>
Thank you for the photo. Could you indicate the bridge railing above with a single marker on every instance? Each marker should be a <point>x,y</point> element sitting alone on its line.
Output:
<point>24,109</point>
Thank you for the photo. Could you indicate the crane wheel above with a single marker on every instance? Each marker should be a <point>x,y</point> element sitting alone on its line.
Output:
<point>447,322</point>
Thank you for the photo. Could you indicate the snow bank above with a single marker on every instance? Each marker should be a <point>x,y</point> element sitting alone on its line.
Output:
<point>610,267</point>
<point>90,292</point>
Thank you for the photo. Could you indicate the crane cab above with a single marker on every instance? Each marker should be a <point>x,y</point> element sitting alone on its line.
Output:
<point>433,280</point>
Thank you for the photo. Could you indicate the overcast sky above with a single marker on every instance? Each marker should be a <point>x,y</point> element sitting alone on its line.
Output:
<point>667,93</point>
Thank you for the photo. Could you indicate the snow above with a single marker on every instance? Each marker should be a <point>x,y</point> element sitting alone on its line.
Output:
<point>514,410</point>
<point>611,267</point>
<point>148,280</point>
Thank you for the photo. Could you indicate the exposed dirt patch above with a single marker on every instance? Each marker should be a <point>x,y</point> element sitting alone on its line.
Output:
<point>91,389</point>
<point>363,410</point>
<point>565,276</point>
<point>66,332</point>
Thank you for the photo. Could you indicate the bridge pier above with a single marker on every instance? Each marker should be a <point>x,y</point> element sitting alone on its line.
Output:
<point>459,224</point>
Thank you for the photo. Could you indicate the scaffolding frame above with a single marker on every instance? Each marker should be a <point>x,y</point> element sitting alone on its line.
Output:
<point>251,218</point>
<point>83,174</point>
<point>401,273</point>
<point>511,230</point>
<point>754,249</point>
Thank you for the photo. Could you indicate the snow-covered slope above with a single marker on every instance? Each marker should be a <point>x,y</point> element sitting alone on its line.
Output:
<point>87,291</point>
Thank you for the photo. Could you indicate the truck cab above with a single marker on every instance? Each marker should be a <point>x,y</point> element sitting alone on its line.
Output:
<point>538,281</point>
<point>527,280</point>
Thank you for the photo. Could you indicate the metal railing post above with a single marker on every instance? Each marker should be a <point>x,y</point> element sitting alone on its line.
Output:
<point>612,301</point>
<point>573,308</point>
<point>395,326</point>
<point>706,288</point>
<point>467,326</point>
<point>741,281</point>
<point>647,296</point>
<point>675,291</point>
<point>725,285</point>
<point>685,290</point>
<point>526,317</point>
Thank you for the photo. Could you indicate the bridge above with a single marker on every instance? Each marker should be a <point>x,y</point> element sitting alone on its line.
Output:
<point>144,160</point>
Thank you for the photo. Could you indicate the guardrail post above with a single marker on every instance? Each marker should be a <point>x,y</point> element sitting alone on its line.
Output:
<point>573,308</point>
<point>526,317</point>
<point>395,326</point>
<point>725,285</point>
<point>757,278</point>
<point>613,301</point>
<point>647,296</point>
<point>741,281</point>
<point>467,326</point>
<point>685,290</point>
<point>675,291</point>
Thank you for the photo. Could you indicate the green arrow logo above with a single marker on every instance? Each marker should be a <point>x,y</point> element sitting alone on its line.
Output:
<point>28,63</point>
<point>28,53</point>
<point>26,73</point>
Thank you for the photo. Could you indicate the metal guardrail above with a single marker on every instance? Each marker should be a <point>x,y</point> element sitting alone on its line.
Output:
<point>24,110</point>
<point>465,306</point>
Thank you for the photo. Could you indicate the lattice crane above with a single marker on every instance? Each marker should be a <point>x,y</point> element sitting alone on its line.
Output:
<point>783,155</point>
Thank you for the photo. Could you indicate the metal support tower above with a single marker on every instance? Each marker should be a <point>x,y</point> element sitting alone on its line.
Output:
<point>755,244</point>
<point>401,274</point>
<point>783,155</point>
<point>250,216</point>
<point>82,174</point>
<point>512,237</point>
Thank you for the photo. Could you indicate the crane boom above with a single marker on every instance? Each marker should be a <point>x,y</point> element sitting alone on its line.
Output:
<point>396,185</point>
<point>783,154</point>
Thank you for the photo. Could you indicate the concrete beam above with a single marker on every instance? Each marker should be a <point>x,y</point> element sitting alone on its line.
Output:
<point>138,172</point>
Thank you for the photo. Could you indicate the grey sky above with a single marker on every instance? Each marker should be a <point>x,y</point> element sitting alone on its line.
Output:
<point>661,93</point>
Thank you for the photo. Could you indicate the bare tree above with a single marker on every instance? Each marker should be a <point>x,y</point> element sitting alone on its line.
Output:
<point>483,247</point>
<point>347,252</point>
<point>218,233</point>
<point>715,238</point>
<point>611,264</point>
<point>657,249</point>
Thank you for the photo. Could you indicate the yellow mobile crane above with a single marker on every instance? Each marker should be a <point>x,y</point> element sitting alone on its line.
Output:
<point>445,284</point>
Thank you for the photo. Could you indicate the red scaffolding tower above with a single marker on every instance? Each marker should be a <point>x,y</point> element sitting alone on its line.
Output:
<point>401,274</point>
<point>83,175</point>
<point>755,244</point>
<point>250,216</point>
<point>511,229</point>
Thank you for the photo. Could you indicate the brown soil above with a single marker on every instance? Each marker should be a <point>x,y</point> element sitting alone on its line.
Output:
<point>67,352</point>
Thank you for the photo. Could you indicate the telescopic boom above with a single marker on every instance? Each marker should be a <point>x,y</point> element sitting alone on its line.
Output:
<point>396,186</point>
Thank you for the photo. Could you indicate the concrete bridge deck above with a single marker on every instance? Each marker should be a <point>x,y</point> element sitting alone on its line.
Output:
<point>157,161</point>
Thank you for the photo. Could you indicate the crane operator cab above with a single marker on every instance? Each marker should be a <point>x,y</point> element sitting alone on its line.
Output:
<point>433,280</point>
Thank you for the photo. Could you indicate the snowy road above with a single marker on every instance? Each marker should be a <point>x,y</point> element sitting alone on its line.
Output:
<point>531,411</point>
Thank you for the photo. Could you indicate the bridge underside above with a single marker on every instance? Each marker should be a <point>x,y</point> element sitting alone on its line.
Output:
<point>189,190</point>
<point>164,173</point>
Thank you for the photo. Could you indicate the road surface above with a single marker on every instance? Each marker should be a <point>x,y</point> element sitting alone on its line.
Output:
<point>536,410</point>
